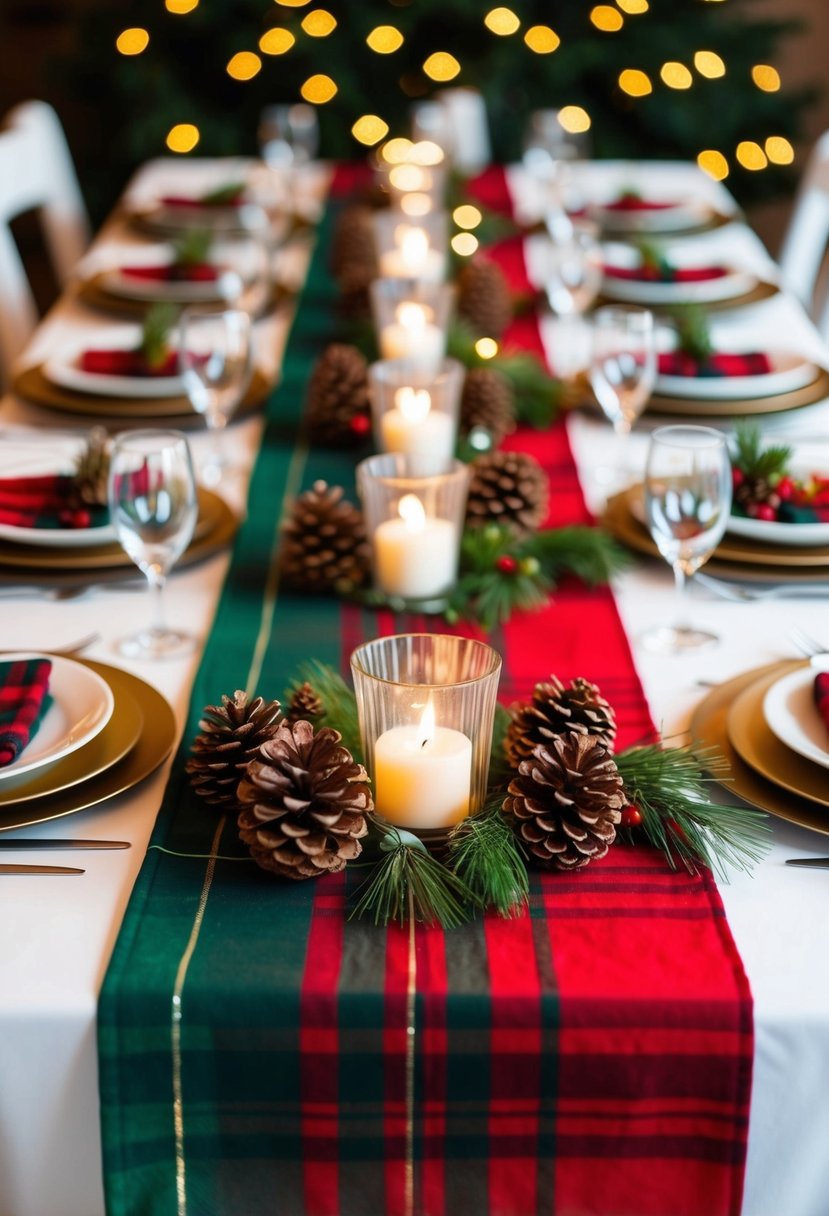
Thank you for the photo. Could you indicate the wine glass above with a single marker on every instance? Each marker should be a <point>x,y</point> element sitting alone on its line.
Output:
<point>215,356</point>
<point>153,508</point>
<point>622,374</point>
<point>687,504</point>
<point>571,267</point>
<point>288,135</point>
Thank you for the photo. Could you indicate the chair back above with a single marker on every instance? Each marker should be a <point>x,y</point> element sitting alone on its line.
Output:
<point>807,236</point>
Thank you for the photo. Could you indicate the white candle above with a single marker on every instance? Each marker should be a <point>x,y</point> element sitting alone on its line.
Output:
<point>417,430</point>
<point>412,257</point>
<point>413,337</point>
<point>415,557</point>
<point>423,774</point>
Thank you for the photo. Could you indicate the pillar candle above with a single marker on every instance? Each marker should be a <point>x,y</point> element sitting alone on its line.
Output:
<point>415,557</point>
<point>423,775</point>
<point>416,429</point>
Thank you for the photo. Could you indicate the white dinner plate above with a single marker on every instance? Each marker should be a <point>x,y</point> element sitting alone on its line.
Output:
<point>228,286</point>
<point>789,371</point>
<point>708,291</point>
<point>171,220</point>
<point>82,704</point>
<point>63,370</point>
<point>65,538</point>
<point>776,533</point>
<point>791,715</point>
<point>679,215</point>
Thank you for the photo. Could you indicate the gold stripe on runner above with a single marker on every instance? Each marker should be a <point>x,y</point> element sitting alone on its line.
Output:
<point>411,991</point>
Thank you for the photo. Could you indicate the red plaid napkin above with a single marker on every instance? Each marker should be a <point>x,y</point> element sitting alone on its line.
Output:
<point>677,363</point>
<point>822,695</point>
<point>180,200</point>
<point>174,272</point>
<point>633,202</point>
<point>666,274</point>
<point>24,685</point>
<point>44,502</point>
<point>125,363</point>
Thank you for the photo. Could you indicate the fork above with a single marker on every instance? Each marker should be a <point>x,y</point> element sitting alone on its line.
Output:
<point>806,644</point>
<point>740,594</point>
<point>69,648</point>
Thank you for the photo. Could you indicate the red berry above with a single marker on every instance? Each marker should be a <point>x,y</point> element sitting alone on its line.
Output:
<point>66,518</point>
<point>785,488</point>
<point>81,518</point>
<point>360,424</point>
<point>766,512</point>
<point>737,477</point>
<point>506,564</point>
<point>631,817</point>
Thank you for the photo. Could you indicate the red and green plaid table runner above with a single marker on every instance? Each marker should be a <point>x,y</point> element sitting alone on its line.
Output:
<point>259,1053</point>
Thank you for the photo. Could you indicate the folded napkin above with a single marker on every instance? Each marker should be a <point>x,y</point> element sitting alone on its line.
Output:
<point>207,201</point>
<point>45,502</point>
<point>822,695</point>
<point>634,202</point>
<point>647,273</point>
<point>174,272</point>
<point>126,363</point>
<point>24,687</point>
<point>677,363</point>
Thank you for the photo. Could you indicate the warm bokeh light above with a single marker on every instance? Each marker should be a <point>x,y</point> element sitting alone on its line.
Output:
<point>574,119</point>
<point>426,152</point>
<point>766,77</point>
<point>132,41</point>
<point>244,65</point>
<point>409,177</point>
<point>385,39</point>
<point>276,41</point>
<point>487,348</point>
<point>183,137</point>
<point>370,129</point>
<point>751,155</point>
<point>441,66</point>
<point>467,216</point>
<point>709,63</point>
<point>635,83</point>
<point>502,21</point>
<point>318,89</point>
<point>180,6</point>
<point>292,3</point>
<point>779,150</point>
<point>396,150</point>
<point>415,204</point>
<point>713,163</point>
<point>319,23</point>
<point>633,6</point>
<point>464,243</point>
<point>542,39</point>
<point>606,18</point>
<point>676,75</point>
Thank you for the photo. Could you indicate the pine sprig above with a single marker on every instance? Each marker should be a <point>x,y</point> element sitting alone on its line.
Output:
<point>223,195</point>
<point>691,322</point>
<point>155,334</point>
<point>537,393</point>
<point>409,880</point>
<point>668,786</point>
<point>590,553</point>
<point>500,772</point>
<point>193,247</point>
<point>753,459</point>
<point>653,258</point>
<point>339,702</point>
<point>484,853</point>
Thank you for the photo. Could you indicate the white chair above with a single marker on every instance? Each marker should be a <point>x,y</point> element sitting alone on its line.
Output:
<point>804,247</point>
<point>36,172</point>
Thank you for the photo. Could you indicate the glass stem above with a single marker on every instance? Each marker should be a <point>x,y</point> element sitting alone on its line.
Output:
<point>681,599</point>
<point>156,579</point>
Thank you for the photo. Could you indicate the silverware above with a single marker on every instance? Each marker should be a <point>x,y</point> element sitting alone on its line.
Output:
<point>816,863</point>
<point>740,593</point>
<point>807,644</point>
<point>24,869</point>
<point>69,648</point>
<point>23,842</point>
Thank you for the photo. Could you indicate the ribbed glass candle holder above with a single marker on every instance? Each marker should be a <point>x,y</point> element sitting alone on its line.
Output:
<point>412,320</point>
<point>412,248</point>
<point>416,412</point>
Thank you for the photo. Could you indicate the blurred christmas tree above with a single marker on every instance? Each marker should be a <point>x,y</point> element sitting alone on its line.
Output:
<point>651,78</point>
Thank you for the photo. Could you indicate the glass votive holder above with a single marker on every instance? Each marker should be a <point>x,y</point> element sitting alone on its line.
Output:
<point>412,248</point>
<point>414,524</point>
<point>412,320</point>
<point>426,704</point>
<point>416,412</point>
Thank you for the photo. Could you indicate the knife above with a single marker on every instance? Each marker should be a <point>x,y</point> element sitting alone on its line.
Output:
<point>7,869</point>
<point>21,842</point>
<point>818,863</point>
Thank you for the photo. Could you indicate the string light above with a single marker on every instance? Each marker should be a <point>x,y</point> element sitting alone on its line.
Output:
<point>132,41</point>
<point>606,18</point>
<point>574,119</point>
<point>467,216</point>
<point>276,41</point>
<point>370,129</point>
<point>293,3</point>
<point>779,150</point>
<point>441,66</point>
<point>713,163</point>
<point>464,244</point>
<point>426,152</point>
<point>751,155</point>
<point>635,83</point>
<point>542,40</point>
<point>244,65</point>
<point>183,137</point>
<point>319,23</point>
<point>319,89</point>
<point>676,75</point>
<point>180,7</point>
<point>415,204</point>
<point>397,150</point>
<point>502,21</point>
<point>766,77</point>
<point>486,348</point>
<point>633,6</point>
<point>385,39</point>
<point>709,63</point>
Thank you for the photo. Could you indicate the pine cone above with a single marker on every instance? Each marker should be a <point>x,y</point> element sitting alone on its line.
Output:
<point>489,402</point>
<point>304,802</point>
<point>559,709</point>
<point>305,703</point>
<point>92,470</point>
<point>338,402</point>
<point>752,490</point>
<point>324,544</point>
<point>484,297</point>
<point>507,488</point>
<point>566,801</point>
<point>352,243</point>
<point>232,734</point>
<point>354,281</point>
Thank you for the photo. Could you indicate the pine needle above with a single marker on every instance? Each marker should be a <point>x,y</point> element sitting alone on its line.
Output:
<point>484,854</point>
<point>155,334</point>
<point>500,773</point>
<point>409,877</point>
<point>338,700</point>
<point>223,195</point>
<point>590,553</point>
<point>753,458</point>
<point>694,334</point>
<point>193,246</point>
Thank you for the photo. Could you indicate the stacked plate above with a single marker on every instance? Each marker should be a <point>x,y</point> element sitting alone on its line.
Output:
<point>669,216</point>
<point>792,382</point>
<point>104,731</point>
<point>766,724</point>
<point>734,287</point>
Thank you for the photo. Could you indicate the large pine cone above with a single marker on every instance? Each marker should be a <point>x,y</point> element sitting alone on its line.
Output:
<point>489,402</point>
<point>352,243</point>
<point>92,470</point>
<point>232,734</point>
<point>557,709</point>
<point>324,544</point>
<point>338,402</point>
<point>507,488</point>
<point>566,801</point>
<point>304,802</point>
<point>484,298</point>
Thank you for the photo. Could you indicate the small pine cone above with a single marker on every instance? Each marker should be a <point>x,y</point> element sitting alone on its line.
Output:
<point>324,544</point>
<point>304,802</point>
<point>565,802</point>
<point>559,709</point>
<point>489,402</point>
<point>92,470</point>
<point>352,243</point>
<point>752,490</point>
<point>232,734</point>
<point>338,402</point>
<point>507,488</point>
<point>305,703</point>
<point>354,281</point>
<point>484,298</point>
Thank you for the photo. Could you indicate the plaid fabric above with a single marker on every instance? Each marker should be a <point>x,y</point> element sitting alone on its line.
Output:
<point>648,273</point>
<point>677,363</point>
<point>174,272</point>
<point>44,502</point>
<point>24,688</point>
<point>260,1052</point>
<point>822,695</point>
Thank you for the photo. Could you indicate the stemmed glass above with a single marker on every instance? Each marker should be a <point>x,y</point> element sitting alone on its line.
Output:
<point>215,355</point>
<point>288,135</point>
<point>623,368</point>
<point>153,507</point>
<point>687,504</point>
<point>572,268</point>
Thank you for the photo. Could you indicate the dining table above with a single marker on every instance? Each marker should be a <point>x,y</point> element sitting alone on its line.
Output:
<point>57,934</point>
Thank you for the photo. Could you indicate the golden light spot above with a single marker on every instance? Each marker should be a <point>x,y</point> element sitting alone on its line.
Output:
<point>132,41</point>
<point>408,177</point>
<point>244,65</point>
<point>751,155</point>
<point>369,129</point>
<point>502,21</point>
<point>293,3</point>
<point>276,41</point>
<point>319,23</point>
<point>464,243</point>
<point>606,18</point>
<point>713,163</point>
<point>633,6</point>
<point>183,137</point>
<point>396,150</point>
<point>467,216</point>
<point>180,6</point>
<point>574,119</point>
<point>766,77</point>
<point>318,89</point>
<point>709,63</point>
<point>779,150</point>
<point>416,204</point>
<point>385,39</point>
<point>676,75</point>
<point>487,348</point>
<point>542,40</point>
<point>441,66</point>
<point>635,83</point>
<point>426,152</point>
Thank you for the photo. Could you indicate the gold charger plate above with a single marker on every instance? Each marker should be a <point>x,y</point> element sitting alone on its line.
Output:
<point>709,728</point>
<point>94,295</point>
<point>757,744</point>
<point>155,742</point>
<point>740,407</point>
<point>761,291</point>
<point>710,221</point>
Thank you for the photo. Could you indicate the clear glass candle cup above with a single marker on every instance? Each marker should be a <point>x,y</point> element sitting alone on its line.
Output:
<point>412,320</point>
<point>416,413</point>
<point>412,248</point>
<point>426,704</point>
<point>414,525</point>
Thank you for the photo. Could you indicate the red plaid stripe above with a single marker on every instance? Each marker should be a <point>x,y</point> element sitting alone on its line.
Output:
<point>24,684</point>
<point>24,499</point>
<point>665,274</point>
<point>677,363</point>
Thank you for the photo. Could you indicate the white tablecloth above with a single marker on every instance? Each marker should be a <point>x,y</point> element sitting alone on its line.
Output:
<point>56,934</point>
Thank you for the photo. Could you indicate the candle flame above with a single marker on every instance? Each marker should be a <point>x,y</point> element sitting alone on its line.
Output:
<point>411,511</point>
<point>414,245</point>
<point>413,316</point>
<point>427,724</point>
<point>414,403</point>
<point>408,177</point>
